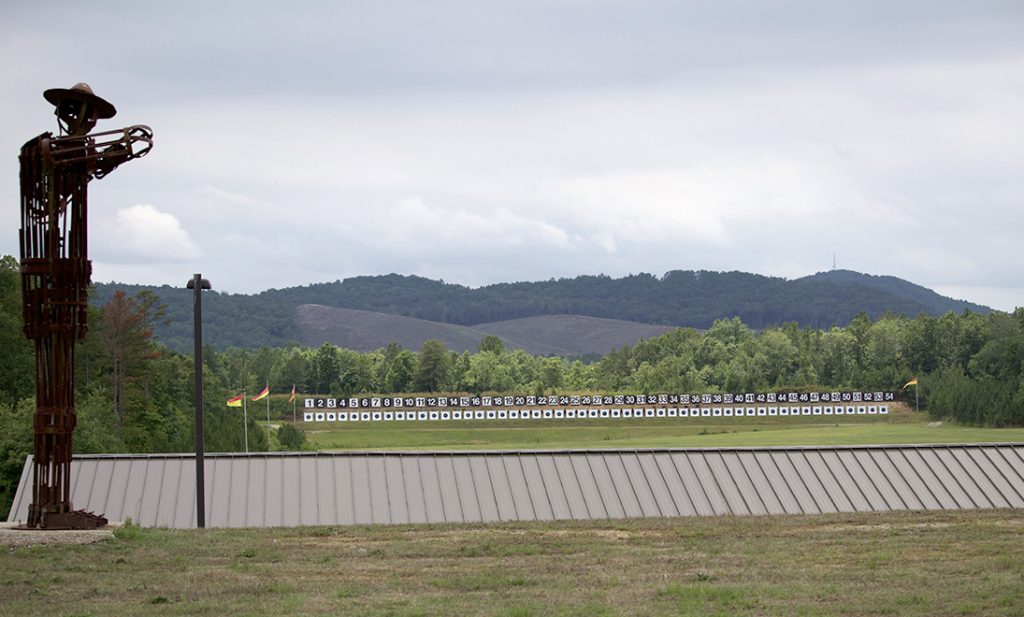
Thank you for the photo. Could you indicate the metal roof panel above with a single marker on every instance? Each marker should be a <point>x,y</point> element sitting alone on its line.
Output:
<point>362,512</point>
<point>469,497</point>
<point>515,473</point>
<point>766,490</point>
<point>709,482</point>
<point>621,485</point>
<point>571,488</point>
<point>894,476</point>
<point>611,503</point>
<point>823,470</point>
<point>641,483</point>
<point>504,501</point>
<point>377,479</point>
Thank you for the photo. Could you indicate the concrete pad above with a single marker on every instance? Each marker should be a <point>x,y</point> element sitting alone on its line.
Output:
<point>12,537</point>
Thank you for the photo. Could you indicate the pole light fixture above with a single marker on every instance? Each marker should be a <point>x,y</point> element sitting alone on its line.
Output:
<point>198,284</point>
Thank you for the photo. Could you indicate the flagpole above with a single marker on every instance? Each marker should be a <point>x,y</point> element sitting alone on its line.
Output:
<point>245,420</point>
<point>268,408</point>
<point>917,397</point>
<point>293,402</point>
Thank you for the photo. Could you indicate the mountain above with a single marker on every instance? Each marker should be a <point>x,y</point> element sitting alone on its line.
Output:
<point>564,335</point>
<point>560,316</point>
<point>896,286</point>
<point>368,330</point>
<point>571,335</point>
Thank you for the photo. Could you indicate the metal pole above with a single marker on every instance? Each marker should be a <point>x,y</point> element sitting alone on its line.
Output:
<point>197,284</point>
<point>245,420</point>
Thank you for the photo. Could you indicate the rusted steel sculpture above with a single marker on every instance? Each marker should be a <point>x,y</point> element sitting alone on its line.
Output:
<point>55,270</point>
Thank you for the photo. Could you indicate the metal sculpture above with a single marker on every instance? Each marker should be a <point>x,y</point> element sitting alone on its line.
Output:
<point>55,271</point>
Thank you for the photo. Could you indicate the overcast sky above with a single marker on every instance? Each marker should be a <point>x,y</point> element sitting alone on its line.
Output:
<point>482,142</point>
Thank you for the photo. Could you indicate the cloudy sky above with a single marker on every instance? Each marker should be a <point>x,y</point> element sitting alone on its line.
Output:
<point>482,142</point>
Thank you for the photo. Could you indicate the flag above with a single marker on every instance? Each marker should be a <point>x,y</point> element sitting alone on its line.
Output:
<point>262,395</point>
<point>235,401</point>
<point>912,382</point>
<point>292,397</point>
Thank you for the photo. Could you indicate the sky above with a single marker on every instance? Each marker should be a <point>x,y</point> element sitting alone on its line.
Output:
<point>486,142</point>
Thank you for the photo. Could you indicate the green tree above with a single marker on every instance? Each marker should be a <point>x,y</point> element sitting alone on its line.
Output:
<point>401,372</point>
<point>124,341</point>
<point>262,364</point>
<point>523,368</point>
<point>552,373</point>
<point>325,368</point>
<point>645,378</point>
<point>580,377</point>
<point>731,332</point>
<point>290,369</point>
<point>921,347</point>
<point>614,369</point>
<point>17,358</point>
<point>884,364</point>
<point>96,420</point>
<point>492,344</point>
<point>434,364</point>
<point>487,373</point>
<point>776,358</point>
<point>15,445</point>
<point>290,437</point>
<point>837,358</point>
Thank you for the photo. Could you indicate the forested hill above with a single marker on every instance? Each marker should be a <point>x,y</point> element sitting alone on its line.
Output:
<point>679,298</point>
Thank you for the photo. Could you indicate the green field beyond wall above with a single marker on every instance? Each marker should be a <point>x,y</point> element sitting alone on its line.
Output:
<point>901,427</point>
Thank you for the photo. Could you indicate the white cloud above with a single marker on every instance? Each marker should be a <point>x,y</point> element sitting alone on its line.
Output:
<point>648,206</point>
<point>411,225</point>
<point>228,197</point>
<point>144,231</point>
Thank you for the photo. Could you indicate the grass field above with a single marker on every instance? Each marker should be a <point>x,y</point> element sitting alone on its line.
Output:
<point>896,563</point>
<point>890,563</point>
<point>896,428</point>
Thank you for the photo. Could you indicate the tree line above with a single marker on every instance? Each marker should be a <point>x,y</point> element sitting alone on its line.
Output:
<point>133,394</point>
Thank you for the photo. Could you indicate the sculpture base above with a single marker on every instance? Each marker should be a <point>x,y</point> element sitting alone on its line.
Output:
<point>79,519</point>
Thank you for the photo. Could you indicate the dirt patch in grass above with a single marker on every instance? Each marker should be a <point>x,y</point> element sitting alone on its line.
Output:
<point>883,527</point>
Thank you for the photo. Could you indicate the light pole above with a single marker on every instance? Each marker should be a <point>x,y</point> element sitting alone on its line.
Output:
<point>198,283</point>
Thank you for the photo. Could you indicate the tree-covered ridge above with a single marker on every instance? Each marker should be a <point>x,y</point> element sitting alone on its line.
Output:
<point>679,299</point>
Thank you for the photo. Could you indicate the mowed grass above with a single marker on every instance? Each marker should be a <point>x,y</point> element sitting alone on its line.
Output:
<point>895,563</point>
<point>897,428</point>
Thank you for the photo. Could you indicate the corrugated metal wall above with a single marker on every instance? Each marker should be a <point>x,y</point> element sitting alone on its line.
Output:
<point>262,490</point>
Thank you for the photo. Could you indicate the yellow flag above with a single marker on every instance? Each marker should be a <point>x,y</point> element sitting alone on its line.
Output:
<point>912,382</point>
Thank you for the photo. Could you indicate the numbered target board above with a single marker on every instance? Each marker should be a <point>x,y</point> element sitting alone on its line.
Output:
<point>507,408</point>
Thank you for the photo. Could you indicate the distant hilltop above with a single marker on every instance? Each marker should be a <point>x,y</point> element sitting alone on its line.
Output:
<point>567,317</point>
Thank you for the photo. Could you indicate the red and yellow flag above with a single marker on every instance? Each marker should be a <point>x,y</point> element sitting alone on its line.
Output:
<point>292,397</point>
<point>262,395</point>
<point>235,401</point>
